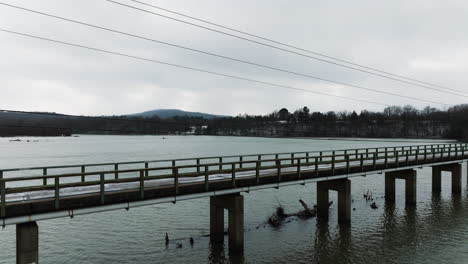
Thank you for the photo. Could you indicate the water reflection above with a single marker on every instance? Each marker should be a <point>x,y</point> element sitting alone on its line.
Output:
<point>217,255</point>
<point>400,234</point>
<point>329,247</point>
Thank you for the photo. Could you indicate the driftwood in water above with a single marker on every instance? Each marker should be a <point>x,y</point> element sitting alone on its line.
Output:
<point>307,212</point>
<point>278,217</point>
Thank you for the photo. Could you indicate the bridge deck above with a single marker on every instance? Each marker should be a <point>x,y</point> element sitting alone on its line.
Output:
<point>30,195</point>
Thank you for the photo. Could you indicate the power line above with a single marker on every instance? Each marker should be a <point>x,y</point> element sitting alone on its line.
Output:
<point>282,49</point>
<point>218,55</point>
<point>289,45</point>
<point>189,68</point>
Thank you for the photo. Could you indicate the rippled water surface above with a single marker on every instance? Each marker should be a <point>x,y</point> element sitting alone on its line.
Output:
<point>436,231</point>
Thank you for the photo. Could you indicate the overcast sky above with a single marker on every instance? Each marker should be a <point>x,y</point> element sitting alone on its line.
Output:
<point>426,40</point>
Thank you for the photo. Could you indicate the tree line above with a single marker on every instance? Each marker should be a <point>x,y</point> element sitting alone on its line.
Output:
<point>393,121</point>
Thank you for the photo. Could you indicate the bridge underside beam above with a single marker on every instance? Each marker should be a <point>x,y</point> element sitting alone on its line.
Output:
<point>410,185</point>
<point>27,243</point>
<point>234,203</point>
<point>455,169</point>
<point>343,187</point>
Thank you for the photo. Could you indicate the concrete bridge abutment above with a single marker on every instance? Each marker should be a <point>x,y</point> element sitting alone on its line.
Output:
<point>27,243</point>
<point>343,187</point>
<point>234,203</point>
<point>410,186</point>
<point>455,169</point>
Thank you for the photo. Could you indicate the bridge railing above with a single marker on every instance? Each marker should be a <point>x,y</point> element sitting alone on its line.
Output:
<point>199,160</point>
<point>273,164</point>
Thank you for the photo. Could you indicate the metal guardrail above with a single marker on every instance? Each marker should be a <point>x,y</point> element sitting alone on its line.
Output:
<point>281,163</point>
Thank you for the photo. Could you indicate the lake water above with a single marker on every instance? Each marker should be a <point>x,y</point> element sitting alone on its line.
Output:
<point>436,231</point>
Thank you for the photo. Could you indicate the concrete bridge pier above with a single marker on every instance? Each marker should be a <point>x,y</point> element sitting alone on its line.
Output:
<point>343,187</point>
<point>410,186</point>
<point>234,203</point>
<point>455,169</point>
<point>27,243</point>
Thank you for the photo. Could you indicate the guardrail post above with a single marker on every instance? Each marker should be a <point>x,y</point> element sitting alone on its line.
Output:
<point>362,162</point>
<point>333,163</point>
<point>347,164</point>
<point>425,153</point>
<point>407,158</point>
<point>146,167</point>
<point>307,158</point>
<point>2,195</point>
<point>299,168</point>
<point>240,162</point>
<point>206,178</point>
<point>233,174</point>
<point>367,153</point>
<point>220,164</point>
<point>449,152</point>
<point>175,172</point>
<point>356,153</point>
<point>417,156</point>
<point>374,160</point>
<point>57,192</point>
<point>321,154</point>
<point>386,157</point>
<point>257,172</point>
<point>316,167</point>
<point>292,158</point>
<point>102,190</point>
<point>83,170</point>
<point>278,169</point>
<point>198,165</point>
<point>142,186</point>
<point>44,173</point>
<point>456,151</point>
<point>397,159</point>
<point>116,168</point>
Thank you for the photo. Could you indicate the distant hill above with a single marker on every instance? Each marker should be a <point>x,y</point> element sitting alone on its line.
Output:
<point>168,113</point>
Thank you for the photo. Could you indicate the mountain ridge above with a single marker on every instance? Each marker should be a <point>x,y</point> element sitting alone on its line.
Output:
<point>168,113</point>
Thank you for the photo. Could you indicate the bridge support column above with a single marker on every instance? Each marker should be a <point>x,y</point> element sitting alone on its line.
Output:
<point>410,185</point>
<point>234,203</point>
<point>436,179</point>
<point>27,243</point>
<point>456,171</point>
<point>343,187</point>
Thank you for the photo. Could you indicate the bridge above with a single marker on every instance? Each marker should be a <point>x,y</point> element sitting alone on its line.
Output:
<point>33,194</point>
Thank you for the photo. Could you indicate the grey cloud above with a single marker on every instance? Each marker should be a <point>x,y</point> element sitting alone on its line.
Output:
<point>421,39</point>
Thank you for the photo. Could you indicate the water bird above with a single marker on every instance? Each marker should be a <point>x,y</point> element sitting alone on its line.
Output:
<point>191,241</point>
<point>167,239</point>
<point>179,245</point>
<point>373,205</point>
